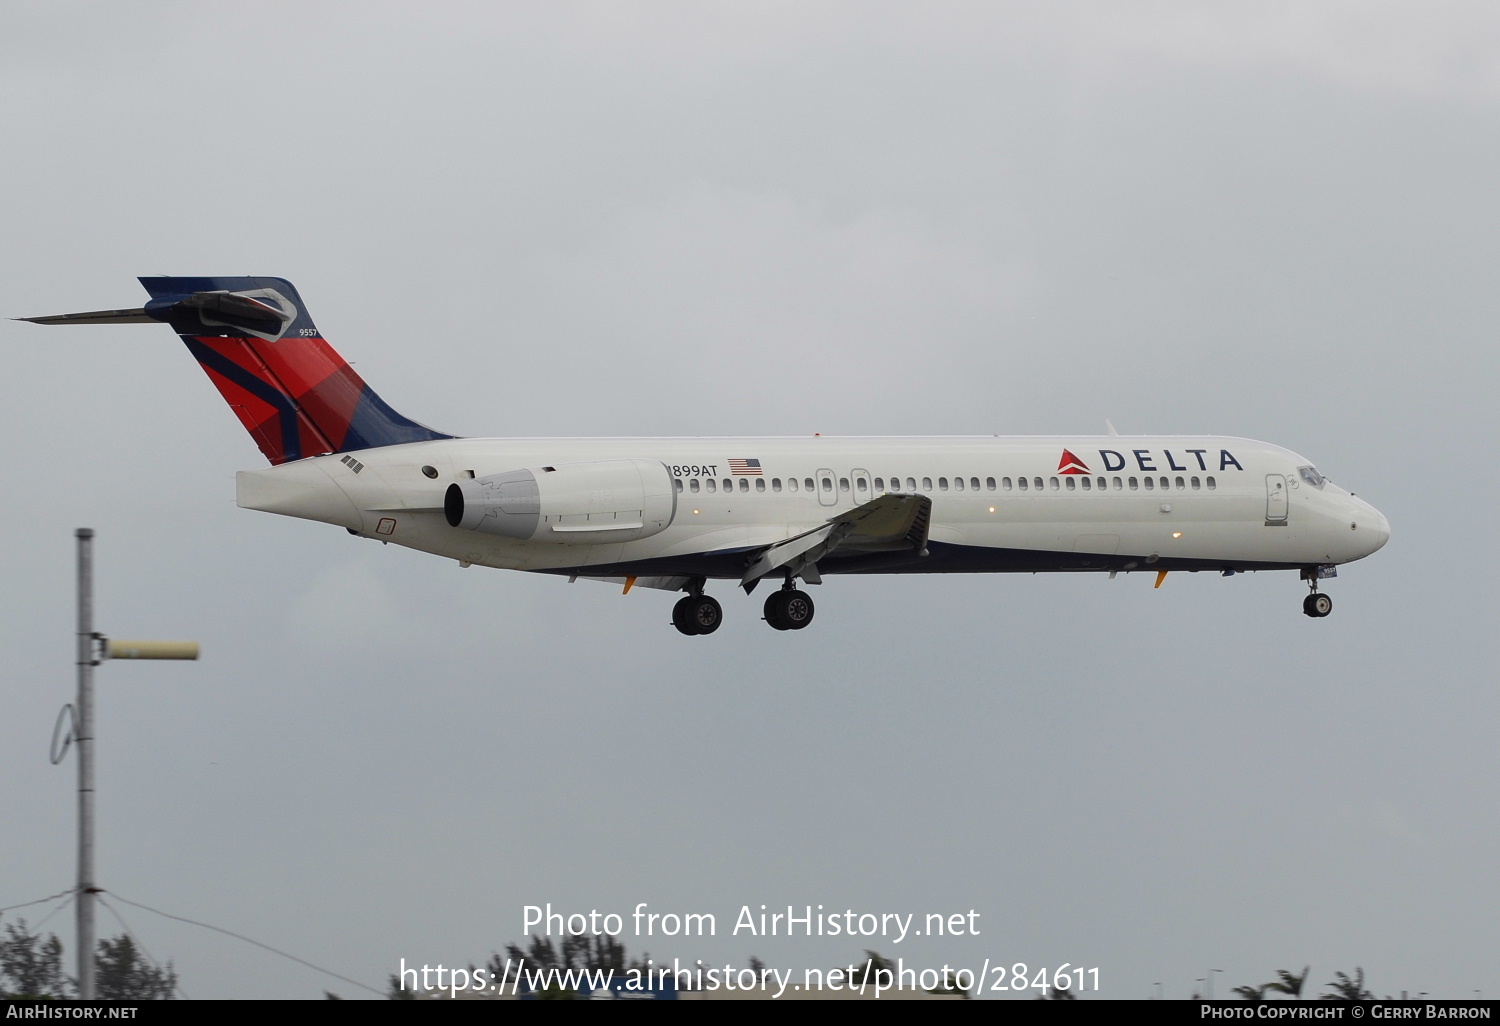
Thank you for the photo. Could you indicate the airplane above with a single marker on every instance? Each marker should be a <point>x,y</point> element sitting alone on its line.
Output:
<point>674,513</point>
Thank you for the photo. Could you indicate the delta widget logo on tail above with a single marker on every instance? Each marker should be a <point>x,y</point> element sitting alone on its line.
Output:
<point>1070,464</point>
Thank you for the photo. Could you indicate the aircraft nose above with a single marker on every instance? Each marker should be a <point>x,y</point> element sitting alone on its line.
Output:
<point>1374,528</point>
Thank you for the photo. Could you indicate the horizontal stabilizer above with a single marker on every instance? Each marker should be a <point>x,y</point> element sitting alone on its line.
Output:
<point>208,311</point>
<point>139,316</point>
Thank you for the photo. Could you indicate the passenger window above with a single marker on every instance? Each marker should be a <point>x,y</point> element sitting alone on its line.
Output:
<point>1165,484</point>
<point>926,484</point>
<point>693,485</point>
<point>1211,485</point>
<point>1022,483</point>
<point>678,482</point>
<point>1005,483</point>
<point>911,484</point>
<point>1037,482</point>
<point>1054,484</point>
<point>1104,484</point>
<point>989,483</point>
<point>942,484</point>
<point>728,485</point>
<point>843,484</point>
<point>1134,484</point>
<point>827,483</point>
<point>776,484</point>
<point>713,485</point>
<point>1119,485</point>
<point>760,484</point>
<point>808,484</point>
<point>1197,484</point>
<point>958,484</point>
<point>861,483</point>
<point>745,484</point>
<point>1150,483</point>
<point>880,484</point>
<point>1180,484</point>
<point>974,484</point>
<point>791,484</point>
<point>1072,484</point>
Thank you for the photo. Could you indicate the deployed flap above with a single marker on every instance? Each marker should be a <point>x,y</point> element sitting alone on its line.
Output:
<point>890,523</point>
<point>659,583</point>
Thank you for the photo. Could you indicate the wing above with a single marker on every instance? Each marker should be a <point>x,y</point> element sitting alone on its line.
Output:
<point>891,523</point>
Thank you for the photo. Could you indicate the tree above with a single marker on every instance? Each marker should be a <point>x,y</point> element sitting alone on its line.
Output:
<point>30,966</point>
<point>869,973</point>
<point>1288,983</point>
<point>122,974</point>
<point>1252,994</point>
<point>1346,988</point>
<point>597,954</point>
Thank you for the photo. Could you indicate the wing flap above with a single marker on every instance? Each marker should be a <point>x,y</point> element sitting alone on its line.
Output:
<point>891,523</point>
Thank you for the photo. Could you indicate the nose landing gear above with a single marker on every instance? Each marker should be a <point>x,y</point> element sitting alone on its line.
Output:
<point>1317,604</point>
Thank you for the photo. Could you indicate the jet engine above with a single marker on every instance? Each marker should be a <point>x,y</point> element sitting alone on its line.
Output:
<point>592,503</point>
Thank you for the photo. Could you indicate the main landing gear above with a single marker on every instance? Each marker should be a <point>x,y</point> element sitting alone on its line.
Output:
<point>697,613</point>
<point>789,609</point>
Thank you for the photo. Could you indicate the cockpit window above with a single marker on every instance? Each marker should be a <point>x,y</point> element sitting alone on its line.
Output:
<point>1311,476</point>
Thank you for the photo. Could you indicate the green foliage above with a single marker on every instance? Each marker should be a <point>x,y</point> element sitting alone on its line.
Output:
<point>868,974</point>
<point>580,952</point>
<point>1346,988</point>
<point>122,974</point>
<point>1288,983</point>
<point>31,967</point>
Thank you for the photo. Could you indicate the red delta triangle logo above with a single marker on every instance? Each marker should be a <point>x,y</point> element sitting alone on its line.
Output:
<point>1070,464</point>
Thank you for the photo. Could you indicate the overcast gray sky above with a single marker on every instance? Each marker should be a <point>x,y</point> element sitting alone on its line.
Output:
<point>1273,220</point>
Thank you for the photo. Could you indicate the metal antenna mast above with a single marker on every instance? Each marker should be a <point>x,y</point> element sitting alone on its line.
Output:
<point>92,648</point>
<point>85,738</point>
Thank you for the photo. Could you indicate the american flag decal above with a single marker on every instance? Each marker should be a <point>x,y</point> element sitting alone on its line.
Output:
<point>745,468</point>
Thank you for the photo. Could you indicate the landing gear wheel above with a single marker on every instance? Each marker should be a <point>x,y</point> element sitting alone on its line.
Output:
<point>1317,605</point>
<point>772,610</point>
<point>706,614</point>
<point>789,610</point>
<point>682,615</point>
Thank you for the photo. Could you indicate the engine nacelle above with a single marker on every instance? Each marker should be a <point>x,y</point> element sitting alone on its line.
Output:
<point>593,503</point>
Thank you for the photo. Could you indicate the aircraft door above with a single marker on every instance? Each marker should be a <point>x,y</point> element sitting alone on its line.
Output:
<point>860,479</point>
<point>1276,500</point>
<point>828,491</point>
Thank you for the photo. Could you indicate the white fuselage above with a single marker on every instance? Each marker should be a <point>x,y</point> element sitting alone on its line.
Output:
<point>1087,503</point>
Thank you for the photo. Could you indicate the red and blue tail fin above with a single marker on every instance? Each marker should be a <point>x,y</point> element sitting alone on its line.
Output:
<point>294,394</point>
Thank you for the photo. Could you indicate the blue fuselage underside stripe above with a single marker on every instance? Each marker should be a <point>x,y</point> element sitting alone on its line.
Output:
<point>941,559</point>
